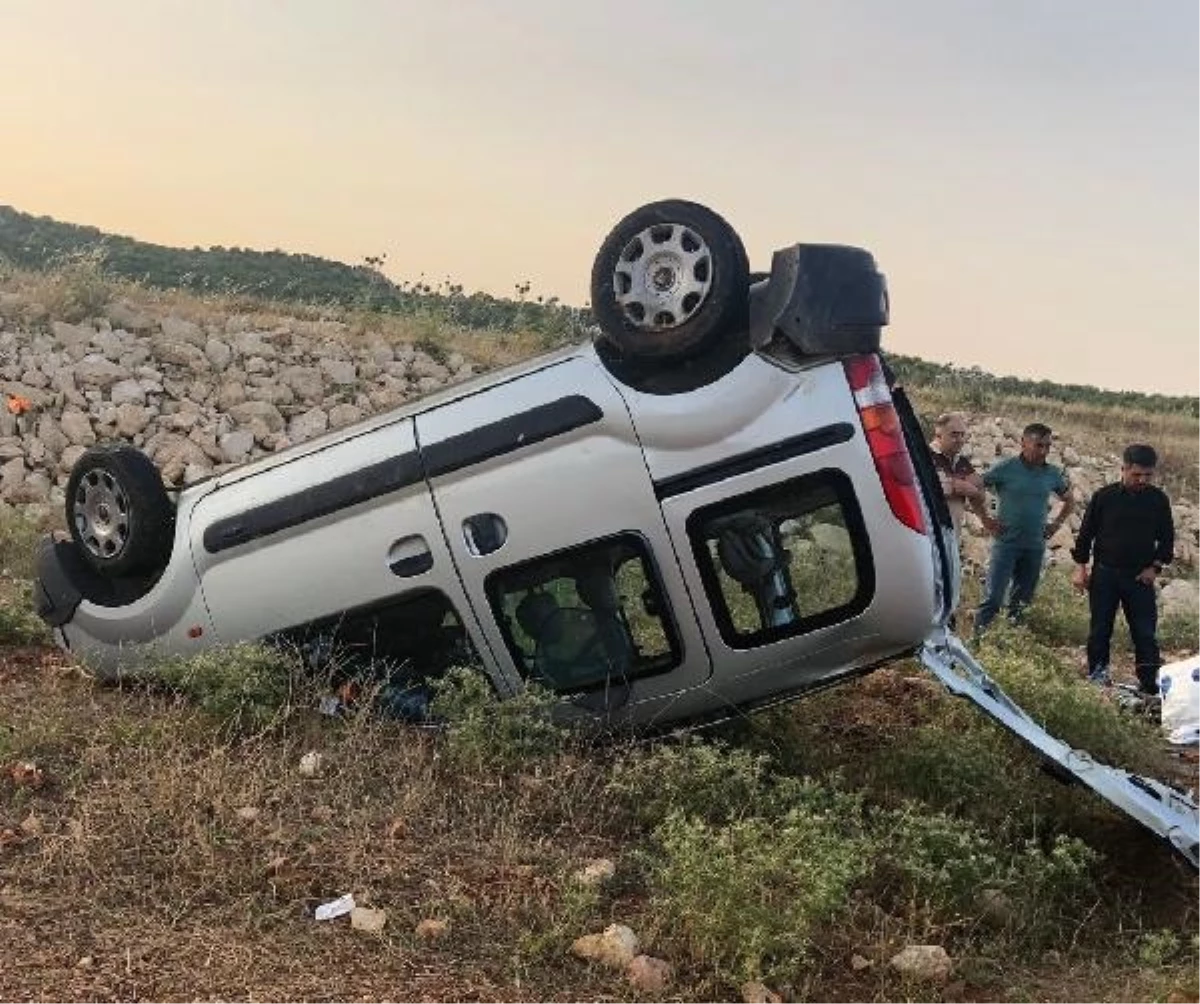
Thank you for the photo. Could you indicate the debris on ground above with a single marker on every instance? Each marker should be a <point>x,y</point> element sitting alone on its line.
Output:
<point>335,907</point>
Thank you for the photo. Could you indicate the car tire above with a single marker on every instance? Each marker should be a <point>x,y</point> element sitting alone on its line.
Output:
<point>669,281</point>
<point>118,511</point>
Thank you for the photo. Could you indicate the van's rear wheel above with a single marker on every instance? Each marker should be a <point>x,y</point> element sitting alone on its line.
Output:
<point>118,511</point>
<point>669,281</point>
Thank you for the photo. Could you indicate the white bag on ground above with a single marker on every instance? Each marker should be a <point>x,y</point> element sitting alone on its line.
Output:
<point>1179,685</point>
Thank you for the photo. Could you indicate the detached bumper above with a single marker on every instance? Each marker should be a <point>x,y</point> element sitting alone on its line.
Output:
<point>1161,809</point>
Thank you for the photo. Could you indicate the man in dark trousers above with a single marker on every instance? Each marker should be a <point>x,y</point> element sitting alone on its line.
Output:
<point>1129,535</point>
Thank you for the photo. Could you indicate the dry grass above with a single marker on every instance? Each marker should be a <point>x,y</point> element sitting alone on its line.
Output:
<point>185,868</point>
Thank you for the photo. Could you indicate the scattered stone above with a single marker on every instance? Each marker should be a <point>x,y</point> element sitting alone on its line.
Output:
<point>69,458</point>
<point>34,488</point>
<point>759,993</point>
<point>125,315</point>
<point>236,446</point>
<point>258,411</point>
<point>96,371</point>
<point>616,946</point>
<point>305,381</point>
<point>339,371</point>
<point>131,419</point>
<point>432,929</point>
<point>247,813</point>
<point>72,334</point>
<point>341,415</point>
<point>27,774</point>
<point>860,962</point>
<point>308,425</point>
<point>923,963</point>
<point>310,764</point>
<point>179,330</point>
<point>128,391</point>
<point>217,353</point>
<point>1178,596</point>
<point>12,476</point>
<point>649,975</point>
<point>596,872</point>
<point>368,920</point>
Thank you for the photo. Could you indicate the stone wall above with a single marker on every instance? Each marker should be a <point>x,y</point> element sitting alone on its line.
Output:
<point>197,398</point>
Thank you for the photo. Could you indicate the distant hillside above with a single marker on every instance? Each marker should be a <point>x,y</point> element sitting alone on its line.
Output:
<point>39,242</point>
<point>977,388</point>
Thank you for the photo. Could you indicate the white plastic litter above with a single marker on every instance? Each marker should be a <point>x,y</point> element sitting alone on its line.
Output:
<point>1179,687</point>
<point>335,907</point>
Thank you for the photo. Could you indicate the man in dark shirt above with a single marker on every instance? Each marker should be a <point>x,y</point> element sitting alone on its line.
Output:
<point>1129,535</point>
<point>960,484</point>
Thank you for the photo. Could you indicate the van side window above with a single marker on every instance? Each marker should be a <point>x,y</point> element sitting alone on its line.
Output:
<point>586,618</point>
<point>398,646</point>
<point>784,560</point>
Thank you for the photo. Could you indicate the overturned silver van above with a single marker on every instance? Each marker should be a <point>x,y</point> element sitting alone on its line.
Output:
<point>724,501</point>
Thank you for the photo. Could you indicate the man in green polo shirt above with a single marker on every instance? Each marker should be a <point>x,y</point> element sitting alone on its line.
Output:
<point>1023,485</point>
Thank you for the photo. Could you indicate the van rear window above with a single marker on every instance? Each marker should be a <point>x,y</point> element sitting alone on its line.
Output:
<point>784,560</point>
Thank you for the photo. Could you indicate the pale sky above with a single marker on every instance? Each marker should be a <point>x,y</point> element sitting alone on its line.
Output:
<point>1025,172</point>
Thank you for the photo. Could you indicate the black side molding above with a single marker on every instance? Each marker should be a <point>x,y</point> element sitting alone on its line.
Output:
<point>339,493</point>
<point>492,440</point>
<point>510,434</point>
<point>741,463</point>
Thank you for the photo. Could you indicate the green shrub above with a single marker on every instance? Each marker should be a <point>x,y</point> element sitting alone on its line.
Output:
<point>247,687</point>
<point>486,731</point>
<point>80,288</point>
<point>944,862</point>
<point>19,625</point>
<point>1058,614</point>
<point>704,780</point>
<point>19,537</point>
<point>747,898</point>
<point>1179,630</point>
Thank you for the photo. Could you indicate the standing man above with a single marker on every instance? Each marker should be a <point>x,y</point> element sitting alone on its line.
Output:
<point>1023,486</point>
<point>960,484</point>
<point>1129,534</point>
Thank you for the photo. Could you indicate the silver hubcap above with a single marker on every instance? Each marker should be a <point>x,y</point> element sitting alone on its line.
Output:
<point>663,276</point>
<point>101,512</point>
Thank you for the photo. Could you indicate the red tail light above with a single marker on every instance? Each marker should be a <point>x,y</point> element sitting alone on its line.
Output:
<point>885,438</point>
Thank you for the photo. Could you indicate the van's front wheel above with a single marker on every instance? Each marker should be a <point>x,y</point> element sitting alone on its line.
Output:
<point>670,280</point>
<point>118,511</point>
